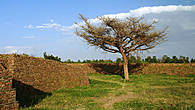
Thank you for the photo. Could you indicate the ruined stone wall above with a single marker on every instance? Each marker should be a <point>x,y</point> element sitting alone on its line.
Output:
<point>46,75</point>
<point>7,93</point>
<point>28,80</point>
<point>4,60</point>
<point>171,69</point>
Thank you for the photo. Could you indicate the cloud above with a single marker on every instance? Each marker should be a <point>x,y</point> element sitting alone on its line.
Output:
<point>29,26</point>
<point>190,26</point>
<point>51,25</point>
<point>161,9</point>
<point>10,49</point>
<point>148,10</point>
<point>17,50</point>
<point>51,20</point>
<point>29,37</point>
<point>137,12</point>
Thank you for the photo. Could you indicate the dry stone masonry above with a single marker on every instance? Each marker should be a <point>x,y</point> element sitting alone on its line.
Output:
<point>7,93</point>
<point>24,78</point>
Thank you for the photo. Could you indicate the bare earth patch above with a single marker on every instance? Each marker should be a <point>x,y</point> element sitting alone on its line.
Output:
<point>110,99</point>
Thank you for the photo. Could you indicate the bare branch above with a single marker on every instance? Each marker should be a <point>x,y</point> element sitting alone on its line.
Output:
<point>131,34</point>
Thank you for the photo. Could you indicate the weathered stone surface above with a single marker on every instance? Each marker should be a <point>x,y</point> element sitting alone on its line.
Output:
<point>22,75</point>
<point>170,69</point>
<point>7,93</point>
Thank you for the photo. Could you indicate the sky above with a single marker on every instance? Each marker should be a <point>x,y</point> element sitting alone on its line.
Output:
<point>36,26</point>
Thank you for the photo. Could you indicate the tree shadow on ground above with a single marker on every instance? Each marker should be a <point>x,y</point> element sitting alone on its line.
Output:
<point>136,68</point>
<point>26,95</point>
<point>117,69</point>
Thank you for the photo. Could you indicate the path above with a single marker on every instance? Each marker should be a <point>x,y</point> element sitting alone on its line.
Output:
<point>111,98</point>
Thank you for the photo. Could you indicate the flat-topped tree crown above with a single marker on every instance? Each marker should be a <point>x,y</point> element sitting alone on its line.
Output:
<point>124,36</point>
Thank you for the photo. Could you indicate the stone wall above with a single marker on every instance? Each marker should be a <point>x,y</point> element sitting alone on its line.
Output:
<point>171,69</point>
<point>7,93</point>
<point>33,79</point>
<point>46,75</point>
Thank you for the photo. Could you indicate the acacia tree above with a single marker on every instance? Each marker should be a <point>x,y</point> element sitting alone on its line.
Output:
<point>127,36</point>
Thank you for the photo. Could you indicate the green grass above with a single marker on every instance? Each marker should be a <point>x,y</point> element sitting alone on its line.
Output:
<point>142,92</point>
<point>147,105</point>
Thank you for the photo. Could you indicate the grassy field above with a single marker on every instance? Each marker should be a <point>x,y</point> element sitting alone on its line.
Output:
<point>142,92</point>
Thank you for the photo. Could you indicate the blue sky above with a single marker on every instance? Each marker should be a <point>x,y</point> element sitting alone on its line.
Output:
<point>21,21</point>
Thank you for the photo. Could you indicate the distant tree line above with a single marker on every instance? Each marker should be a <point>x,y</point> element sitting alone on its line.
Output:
<point>167,59</point>
<point>132,59</point>
<point>138,59</point>
<point>90,61</point>
<point>163,59</point>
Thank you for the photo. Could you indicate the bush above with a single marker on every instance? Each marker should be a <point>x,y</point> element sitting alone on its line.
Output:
<point>51,57</point>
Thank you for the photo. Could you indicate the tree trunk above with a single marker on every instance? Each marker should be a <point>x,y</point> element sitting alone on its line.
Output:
<point>125,64</point>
